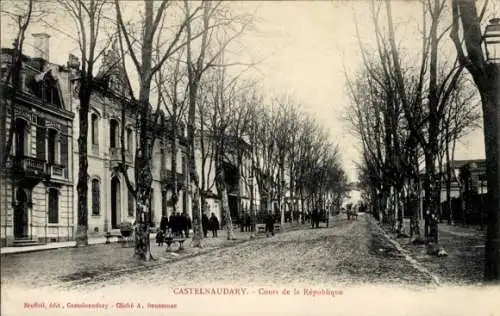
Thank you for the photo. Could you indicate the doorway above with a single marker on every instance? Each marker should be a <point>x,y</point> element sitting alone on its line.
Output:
<point>115,203</point>
<point>21,214</point>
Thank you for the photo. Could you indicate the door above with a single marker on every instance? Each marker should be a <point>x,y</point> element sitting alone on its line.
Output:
<point>21,214</point>
<point>115,203</point>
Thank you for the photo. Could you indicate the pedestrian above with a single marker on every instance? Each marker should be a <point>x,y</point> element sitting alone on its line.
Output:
<point>175,224</point>
<point>248,222</point>
<point>187,223</point>
<point>269,224</point>
<point>171,222</point>
<point>214,225</point>
<point>164,223</point>
<point>205,224</point>
<point>242,222</point>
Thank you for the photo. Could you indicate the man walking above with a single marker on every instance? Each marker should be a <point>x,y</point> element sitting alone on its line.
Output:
<point>205,224</point>
<point>269,224</point>
<point>214,225</point>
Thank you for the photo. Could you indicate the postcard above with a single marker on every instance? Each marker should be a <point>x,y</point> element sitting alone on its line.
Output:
<point>249,157</point>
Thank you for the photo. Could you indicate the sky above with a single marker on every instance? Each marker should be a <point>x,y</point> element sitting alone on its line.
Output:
<point>304,48</point>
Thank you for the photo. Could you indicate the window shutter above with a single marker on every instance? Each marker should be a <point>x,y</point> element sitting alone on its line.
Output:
<point>64,150</point>
<point>40,142</point>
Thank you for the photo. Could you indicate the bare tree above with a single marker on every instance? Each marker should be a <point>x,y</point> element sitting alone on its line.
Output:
<point>143,55</point>
<point>171,83</point>
<point>214,18</point>
<point>87,17</point>
<point>486,77</point>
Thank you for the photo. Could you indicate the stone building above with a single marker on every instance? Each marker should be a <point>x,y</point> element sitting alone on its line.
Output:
<point>110,202</point>
<point>38,191</point>
<point>36,185</point>
<point>238,177</point>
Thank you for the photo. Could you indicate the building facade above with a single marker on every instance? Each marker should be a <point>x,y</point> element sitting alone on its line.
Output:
<point>110,201</point>
<point>36,183</point>
<point>38,191</point>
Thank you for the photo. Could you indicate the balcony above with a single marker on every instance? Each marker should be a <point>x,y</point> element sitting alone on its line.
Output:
<point>28,168</point>
<point>115,157</point>
<point>58,172</point>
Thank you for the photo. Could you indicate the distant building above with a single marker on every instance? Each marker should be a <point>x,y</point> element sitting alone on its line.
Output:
<point>476,170</point>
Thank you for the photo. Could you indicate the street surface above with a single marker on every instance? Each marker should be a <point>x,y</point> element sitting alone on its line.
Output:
<point>346,253</point>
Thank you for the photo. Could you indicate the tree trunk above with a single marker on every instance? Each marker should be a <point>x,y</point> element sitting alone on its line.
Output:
<point>491,104</point>
<point>144,179</point>
<point>448,184</point>
<point>195,185</point>
<point>281,189</point>
<point>415,210</point>
<point>175,190</point>
<point>430,199</point>
<point>222,191</point>
<point>82,184</point>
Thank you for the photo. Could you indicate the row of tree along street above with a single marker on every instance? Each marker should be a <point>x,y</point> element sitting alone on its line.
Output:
<point>178,53</point>
<point>410,110</point>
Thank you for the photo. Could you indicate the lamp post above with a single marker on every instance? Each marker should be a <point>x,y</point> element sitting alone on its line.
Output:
<point>490,94</point>
<point>492,41</point>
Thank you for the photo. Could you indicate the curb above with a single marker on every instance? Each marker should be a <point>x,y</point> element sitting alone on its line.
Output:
<point>56,247</point>
<point>413,262</point>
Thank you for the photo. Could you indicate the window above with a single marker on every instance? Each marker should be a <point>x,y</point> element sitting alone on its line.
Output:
<point>23,81</point>
<point>53,206</point>
<point>94,133</point>
<point>113,134</point>
<point>20,138</point>
<point>96,197</point>
<point>131,202</point>
<point>3,72</point>
<point>130,140</point>
<point>51,145</point>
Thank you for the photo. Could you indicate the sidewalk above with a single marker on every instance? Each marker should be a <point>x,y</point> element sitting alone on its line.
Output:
<point>54,245</point>
<point>97,241</point>
<point>464,263</point>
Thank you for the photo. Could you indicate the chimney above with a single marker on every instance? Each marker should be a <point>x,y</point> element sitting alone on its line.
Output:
<point>41,49</point>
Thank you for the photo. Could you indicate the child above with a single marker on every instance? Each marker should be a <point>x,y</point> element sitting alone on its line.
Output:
<point>160,237</point>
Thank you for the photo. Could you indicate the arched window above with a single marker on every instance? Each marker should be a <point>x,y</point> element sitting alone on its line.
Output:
<point>53,206</point>
<point>94,132</point>
<point>96,197</point>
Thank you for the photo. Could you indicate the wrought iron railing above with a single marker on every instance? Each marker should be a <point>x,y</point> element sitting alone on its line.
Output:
<point>30,164</point>
<point>58,171</point>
